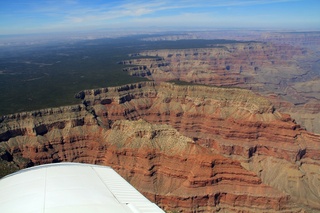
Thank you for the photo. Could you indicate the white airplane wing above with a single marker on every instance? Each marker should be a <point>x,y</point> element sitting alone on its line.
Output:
<point>71,187</point>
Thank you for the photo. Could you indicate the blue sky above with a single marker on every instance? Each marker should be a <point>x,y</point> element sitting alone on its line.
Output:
<point>40,16</point>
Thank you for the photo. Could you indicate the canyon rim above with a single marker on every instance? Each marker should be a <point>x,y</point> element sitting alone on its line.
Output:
<point>226,128</point>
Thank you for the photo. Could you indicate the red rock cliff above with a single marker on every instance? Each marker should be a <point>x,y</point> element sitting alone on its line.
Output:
<point>288,72</point>
<point>189,148</point>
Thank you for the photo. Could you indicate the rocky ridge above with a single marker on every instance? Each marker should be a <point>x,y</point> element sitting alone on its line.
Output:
<point>240,64</point>
<point>289,73</point>
<point>231,146</point>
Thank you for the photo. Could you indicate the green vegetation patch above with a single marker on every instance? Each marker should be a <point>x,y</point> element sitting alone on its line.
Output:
<point>39,77</point>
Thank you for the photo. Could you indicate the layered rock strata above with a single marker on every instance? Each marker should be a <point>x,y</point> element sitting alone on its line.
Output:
<point>188,148</point>
<point>289,72</point>
<point>222,65</point>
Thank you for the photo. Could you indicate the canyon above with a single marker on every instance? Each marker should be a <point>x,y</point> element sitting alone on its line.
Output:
<point>232,127</point>
<point>287,75</point>
<point>189,148</point>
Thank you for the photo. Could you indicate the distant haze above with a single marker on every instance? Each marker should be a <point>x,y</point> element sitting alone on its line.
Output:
<point>47,16</point>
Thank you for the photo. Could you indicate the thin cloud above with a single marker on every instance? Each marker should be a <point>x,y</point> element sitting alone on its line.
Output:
<point>67,14</point>
<point>141,8</point>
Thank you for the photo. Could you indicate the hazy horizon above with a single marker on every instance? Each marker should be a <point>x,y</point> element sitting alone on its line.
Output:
<point>31,17</point>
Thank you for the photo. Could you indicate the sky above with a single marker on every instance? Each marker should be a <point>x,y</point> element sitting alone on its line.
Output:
<point>46,16</point>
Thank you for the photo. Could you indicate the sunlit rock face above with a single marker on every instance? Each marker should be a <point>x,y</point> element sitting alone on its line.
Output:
<point>188,148</point>
<point>289,75</point>
<point>241,64</point>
